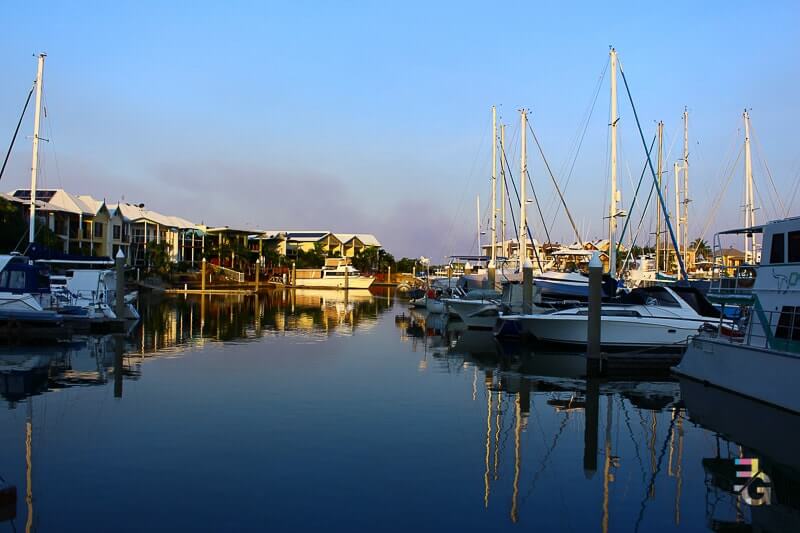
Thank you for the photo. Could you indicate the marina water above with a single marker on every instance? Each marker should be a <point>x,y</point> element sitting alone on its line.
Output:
<point>326,411</point>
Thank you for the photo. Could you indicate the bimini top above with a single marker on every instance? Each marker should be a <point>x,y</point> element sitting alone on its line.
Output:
<point>737,231</point>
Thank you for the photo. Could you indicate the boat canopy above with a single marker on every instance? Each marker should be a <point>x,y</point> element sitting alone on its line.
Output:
<point>739,231</point>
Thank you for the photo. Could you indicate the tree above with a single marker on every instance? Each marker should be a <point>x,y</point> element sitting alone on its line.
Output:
<point>406,265</point>
<point>14,226</point>
<point>158,258</point>
<point>702,248</point>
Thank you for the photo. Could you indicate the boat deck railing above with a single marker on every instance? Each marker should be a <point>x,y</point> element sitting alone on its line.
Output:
<point>759,328</point>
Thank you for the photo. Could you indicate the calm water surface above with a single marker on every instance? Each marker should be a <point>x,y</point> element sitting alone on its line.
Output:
<point>306,411</point>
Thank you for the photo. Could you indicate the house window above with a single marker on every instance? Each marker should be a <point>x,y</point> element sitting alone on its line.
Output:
<point>117,232</point>
<point>794,246</point>
<point>87,231</point>
<point>776,251</point>
<point>98,229</point>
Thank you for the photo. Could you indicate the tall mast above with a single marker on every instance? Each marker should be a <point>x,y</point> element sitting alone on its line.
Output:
<point>503,179</point>
<point>523,171</point>
<point>35,158</point>
<point>612,219</point>
<point>685,183</point>
<point>494,188</point>
<point>676,169</point>
<point>658,207</point>
<point>749,210</point>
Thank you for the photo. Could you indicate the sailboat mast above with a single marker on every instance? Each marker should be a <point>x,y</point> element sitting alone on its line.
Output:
<point>658,207</point>
<point>676,169</point>
<point>685,183</point>
<point>494,188</point>
<point>749,211</point>
<point>612,219</point>
<point>523,171</point>
<point>35,157</point>
<point>503,185</point>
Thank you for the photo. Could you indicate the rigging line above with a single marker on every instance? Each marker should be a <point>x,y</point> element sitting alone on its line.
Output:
<point>505,181</point>
<point>718,201</point>
<point>794,194</point>
<point>528,228</point>
<point>655,180</point>
<point>633,201</point>
<point>582,137</point>
<point>51,138</point>
<point>655,473</point>
<point>766,166</point>
<point>558,189</point>
<point>538,207</point>
<point>641,222</point>
<point>463,191</point>
<point>16,131</point>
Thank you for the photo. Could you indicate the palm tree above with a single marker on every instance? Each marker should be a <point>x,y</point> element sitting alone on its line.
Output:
<point>701,247</point>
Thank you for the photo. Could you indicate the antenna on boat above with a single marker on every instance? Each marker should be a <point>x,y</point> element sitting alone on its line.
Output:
<point>35,157</point>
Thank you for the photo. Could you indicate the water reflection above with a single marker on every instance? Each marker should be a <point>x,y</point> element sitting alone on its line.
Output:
<point>169,323</point>
<point>445,429</point>
<point>636,429</point>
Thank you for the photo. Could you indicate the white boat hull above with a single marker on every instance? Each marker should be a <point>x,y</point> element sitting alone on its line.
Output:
<point>335,283</point>
<point>476,314</point>
<point>615,331</point>
<point>767,375</point>
<point>435,306</point>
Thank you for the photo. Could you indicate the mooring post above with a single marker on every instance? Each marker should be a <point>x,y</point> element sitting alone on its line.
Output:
<point>346,278</point>
<point>119,304</point>
<point>388,274</point>
<point>590,427</point>
<point>527,286</point>
<point>258,262</point>
<point>593,361</point>
<point>294,274</point>
<point>119,344</point>
<point>203,275</point>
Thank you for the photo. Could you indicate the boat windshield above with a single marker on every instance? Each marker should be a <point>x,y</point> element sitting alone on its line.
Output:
<point>650,296</point>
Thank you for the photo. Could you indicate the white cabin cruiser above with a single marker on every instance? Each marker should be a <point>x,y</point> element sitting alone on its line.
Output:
<point>336,274</point>
<point>763,360</point>
<point>645,317</point>
<point>90,290</point>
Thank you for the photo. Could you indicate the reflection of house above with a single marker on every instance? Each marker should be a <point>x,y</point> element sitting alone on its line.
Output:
<point>289,243</point>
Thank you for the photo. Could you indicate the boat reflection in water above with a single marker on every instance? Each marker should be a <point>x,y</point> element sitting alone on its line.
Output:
<point>634,430</point>
<point>748,429</point>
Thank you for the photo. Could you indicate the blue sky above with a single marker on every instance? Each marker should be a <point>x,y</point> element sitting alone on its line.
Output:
<point>364,117</point>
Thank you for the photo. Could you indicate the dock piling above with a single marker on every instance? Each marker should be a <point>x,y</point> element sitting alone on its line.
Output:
<point>203,275</point>
<point>119,303</point>
<point>593,360</point>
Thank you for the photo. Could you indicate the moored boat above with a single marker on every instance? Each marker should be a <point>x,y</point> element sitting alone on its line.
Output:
<point>762,360</point>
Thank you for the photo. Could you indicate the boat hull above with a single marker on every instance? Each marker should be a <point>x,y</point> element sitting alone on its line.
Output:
<point>335,283</point>
<point>766,375</point>
<point>476,314</point>
<point>617,332</point>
